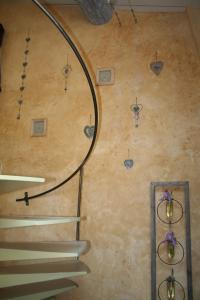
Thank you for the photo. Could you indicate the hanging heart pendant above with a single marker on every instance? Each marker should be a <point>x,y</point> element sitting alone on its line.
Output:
<point>89,131</point>
<point>128,163</point>
<point>157,67</point>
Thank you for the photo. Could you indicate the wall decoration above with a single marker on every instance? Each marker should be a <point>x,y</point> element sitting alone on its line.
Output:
<point>39,127</point>
<point>167,214</point>
<point>23,76</point>
<point>105,76</point>
<point>173,287</point>
<point>132,12</point>
<point>136,108</point>
<point>89,130</point>
<point>170,217</point>
<point>128,163</point>
<point>171,242</point>
<point>157,65</point>
<point>170,251</point>
<point>169,204</point>
<point>66,71</point>
<point>116,14</point>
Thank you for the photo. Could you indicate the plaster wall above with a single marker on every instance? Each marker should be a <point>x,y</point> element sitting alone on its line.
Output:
<point>194,17</point>
<point>165,146</point>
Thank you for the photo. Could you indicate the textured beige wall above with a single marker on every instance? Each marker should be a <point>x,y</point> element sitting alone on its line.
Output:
<point>194,16</point>
<point>165,147</point>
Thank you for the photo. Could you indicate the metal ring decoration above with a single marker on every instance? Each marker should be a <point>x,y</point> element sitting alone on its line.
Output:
<point>89,80</point>
<point>177,282</point>
<point>171,264</point>
<point>163,221</point>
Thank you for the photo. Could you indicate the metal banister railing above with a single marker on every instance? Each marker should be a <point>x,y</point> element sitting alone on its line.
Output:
<point>26,197</point>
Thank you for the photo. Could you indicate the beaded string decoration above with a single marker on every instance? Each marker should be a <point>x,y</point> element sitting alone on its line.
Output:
<point>116,14</point>
<point>136,109</point>
<point>132,12</point>
<point>23,76</point>
<point>66,71</point>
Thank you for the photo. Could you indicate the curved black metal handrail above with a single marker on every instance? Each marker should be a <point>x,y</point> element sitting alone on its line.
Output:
<point>26,198</point>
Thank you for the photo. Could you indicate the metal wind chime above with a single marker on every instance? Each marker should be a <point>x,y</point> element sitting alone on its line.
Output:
<point>23,76</point>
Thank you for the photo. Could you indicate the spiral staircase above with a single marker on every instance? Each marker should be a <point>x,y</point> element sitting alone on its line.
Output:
<point>40,270</point>
<point>37,270</point>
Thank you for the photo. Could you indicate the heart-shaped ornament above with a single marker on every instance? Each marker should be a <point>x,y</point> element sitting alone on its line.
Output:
<point>157,66</point>
<point>128,163</point>
<point>89,131</point>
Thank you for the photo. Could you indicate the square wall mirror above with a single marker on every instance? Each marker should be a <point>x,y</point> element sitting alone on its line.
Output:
<point>105,76</point>
<point>39,127</point>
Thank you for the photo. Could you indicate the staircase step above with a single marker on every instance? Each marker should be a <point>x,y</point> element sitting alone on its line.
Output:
<point>37,291</point>
<point>14,222</point>
<point>14,275</point>
<point>42,250</point>
<point>10,183</point>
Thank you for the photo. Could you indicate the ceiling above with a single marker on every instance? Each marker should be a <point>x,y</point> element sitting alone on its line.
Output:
<point>141,5</point>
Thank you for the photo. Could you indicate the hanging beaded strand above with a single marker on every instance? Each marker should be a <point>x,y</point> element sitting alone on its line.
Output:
<point>133,12</point>
<point>23,76</point>
<point>116,14</point>
<point>136,109</point>
<point>66,71</point>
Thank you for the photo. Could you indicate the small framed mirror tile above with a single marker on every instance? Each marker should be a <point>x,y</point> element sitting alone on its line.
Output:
<point>39,127</point>
<point>105,76</point>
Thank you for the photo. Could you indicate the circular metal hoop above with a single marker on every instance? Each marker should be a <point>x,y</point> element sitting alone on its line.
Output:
<point>163,221</point>
<point>171,264</point>
<point>177,282</point>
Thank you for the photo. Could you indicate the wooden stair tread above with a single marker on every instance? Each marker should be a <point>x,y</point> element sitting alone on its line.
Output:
<point>10,183</point>
<point>51,267</point>
<point>47,246</point>
<point>16,221</point>
<point>38,250</point>
<point>34,273</point>
<point>39,290</point>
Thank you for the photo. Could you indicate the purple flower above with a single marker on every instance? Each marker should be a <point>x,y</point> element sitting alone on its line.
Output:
<point>170,237</point>
<point>166,196</point>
